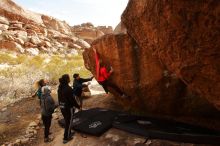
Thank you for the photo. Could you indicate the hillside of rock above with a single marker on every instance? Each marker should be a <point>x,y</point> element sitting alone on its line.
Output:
<point>168,62</point>
<point>89,32</point>
<point>24,31</point>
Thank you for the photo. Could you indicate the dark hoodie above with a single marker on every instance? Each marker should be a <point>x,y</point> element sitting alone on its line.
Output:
<point>65,97</point>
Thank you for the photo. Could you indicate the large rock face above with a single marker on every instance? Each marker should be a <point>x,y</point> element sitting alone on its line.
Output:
<point>136,72</point>
<point>141,75</point>
<point>185,36</point>
<point>168,62</point>
<point>22,30</point>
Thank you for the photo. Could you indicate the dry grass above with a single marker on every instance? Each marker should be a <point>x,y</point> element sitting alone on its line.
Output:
<point>23,71</point>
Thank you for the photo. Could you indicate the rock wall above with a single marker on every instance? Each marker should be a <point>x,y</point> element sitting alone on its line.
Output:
<point>185,36</point>
<point>168,62</point>
<point>22,30</point>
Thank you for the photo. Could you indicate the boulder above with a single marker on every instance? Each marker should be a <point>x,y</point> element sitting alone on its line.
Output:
<point>55,24</point>
<point>29,45</point>
<point>3,20</point>
<point>77,46</point>
<point>24,141</point>
<point>33,51</point>
<point>19,41</point>
<point>137,73</point>
<point>59,45</point>
<point>11,45</point>
<point>35,40</point>
<point>9,37</point>
<point>22,35</point>
<point>3,27</point>
<point>48,44</point>
<point>82,43</point>
<point>184,36</point>
<point>120,28</point>
<point>4,109</point>
<point>45,44</point>
<point>20,48</point>
<point>16,24</point>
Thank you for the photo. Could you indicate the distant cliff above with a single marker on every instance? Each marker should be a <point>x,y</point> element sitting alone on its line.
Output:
<point>24,31</point>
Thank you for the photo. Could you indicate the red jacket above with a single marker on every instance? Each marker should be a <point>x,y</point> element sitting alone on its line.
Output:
<point>101,73</point>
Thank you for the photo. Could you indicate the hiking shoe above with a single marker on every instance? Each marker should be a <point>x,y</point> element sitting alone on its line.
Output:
<point>48,140</point>
<point>72,134</point>
<point>67,140</point>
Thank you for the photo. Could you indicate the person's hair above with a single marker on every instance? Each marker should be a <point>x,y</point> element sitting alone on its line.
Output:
<point>75,75</point>
<point>41,83</point>
<point>65,79</point>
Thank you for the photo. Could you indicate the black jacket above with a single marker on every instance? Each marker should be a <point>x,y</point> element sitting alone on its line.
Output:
<point>78,85</point>
<point>66,98</point>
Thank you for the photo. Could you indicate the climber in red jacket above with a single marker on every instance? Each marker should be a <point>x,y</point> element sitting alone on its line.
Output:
<point>103,75</point>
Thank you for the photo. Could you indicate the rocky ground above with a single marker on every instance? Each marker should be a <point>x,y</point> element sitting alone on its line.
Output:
<point>20,124</point>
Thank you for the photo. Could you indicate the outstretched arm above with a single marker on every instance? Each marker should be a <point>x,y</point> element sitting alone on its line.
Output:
<point>86,80</point>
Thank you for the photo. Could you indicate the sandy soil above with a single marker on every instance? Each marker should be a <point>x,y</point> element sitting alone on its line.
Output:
<point>16,118</point>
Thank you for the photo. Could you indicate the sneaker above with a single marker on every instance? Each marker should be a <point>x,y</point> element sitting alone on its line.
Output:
<point>67,140</point>
<point>83,135</point>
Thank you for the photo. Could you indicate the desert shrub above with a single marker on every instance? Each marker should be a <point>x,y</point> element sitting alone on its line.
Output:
<point>18,79</point>
<point>7,59</point>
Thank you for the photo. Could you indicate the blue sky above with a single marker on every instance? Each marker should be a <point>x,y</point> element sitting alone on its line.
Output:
<point>99,12</point>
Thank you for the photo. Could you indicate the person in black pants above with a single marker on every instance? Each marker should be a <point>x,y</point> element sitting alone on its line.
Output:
<point>78,86</point>
<point>67,104</point>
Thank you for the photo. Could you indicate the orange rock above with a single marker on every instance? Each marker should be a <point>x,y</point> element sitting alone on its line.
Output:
<point>185,37</point>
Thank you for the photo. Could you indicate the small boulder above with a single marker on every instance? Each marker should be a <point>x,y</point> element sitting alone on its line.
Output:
<point>19,41</point>
<point>3,20</point>
<point>33,124</point>
<point>22,35</point>
<point>33,51</point>
<point>4,27</point>
<point>35,40</point>
<point>18,141</point>
<point>4,109</point>
<point>24,141</point>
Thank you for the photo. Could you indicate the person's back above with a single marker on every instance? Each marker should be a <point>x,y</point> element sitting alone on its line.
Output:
<point>67,104</point>
<point>47,109</point>
<point>47,102</point>
<point>65,94</point>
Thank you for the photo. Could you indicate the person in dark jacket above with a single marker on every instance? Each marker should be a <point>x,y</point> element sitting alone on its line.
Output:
<point>78,86</point>
<point>67,104</point>
<point>47,109</point>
